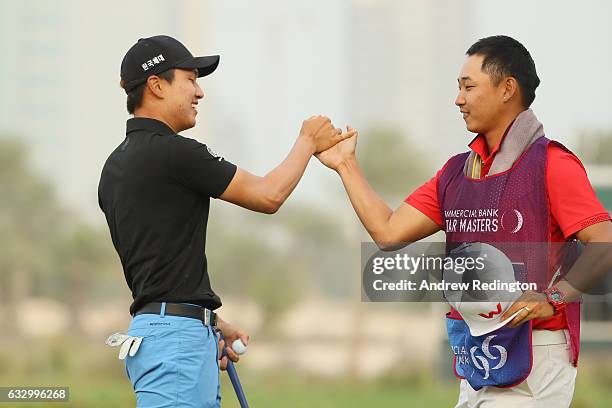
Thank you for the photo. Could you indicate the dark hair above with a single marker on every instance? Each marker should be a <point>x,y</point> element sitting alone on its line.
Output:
<point>504,56</point>
<point>134,97</point>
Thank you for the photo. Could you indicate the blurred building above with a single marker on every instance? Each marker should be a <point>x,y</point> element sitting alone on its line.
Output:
<point>405,57</point>
<point>60,80</point>
<point>372,63</point>
<point>281,62</point>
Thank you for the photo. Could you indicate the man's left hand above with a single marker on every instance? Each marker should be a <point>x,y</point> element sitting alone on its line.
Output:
<point>231,334</point>
<point>532,305</point>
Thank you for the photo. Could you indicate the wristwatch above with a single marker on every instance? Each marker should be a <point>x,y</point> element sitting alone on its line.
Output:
<point>555,298</point>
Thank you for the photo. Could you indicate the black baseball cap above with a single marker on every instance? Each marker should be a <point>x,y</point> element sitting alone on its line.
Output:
<point>154,55</point>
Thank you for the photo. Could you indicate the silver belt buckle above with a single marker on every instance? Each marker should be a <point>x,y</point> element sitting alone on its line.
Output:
<point>207,317</point>
<point>210,318</point>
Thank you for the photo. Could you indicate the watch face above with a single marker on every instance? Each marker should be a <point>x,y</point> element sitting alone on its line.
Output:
<point>556,296</point>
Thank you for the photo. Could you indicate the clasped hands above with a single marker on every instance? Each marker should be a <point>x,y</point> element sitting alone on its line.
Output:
<point>332,146</point>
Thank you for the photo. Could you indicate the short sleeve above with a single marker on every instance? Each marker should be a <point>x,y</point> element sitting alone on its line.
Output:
<point>425,198</point>
<point>198,168</point>
<point>573,203</point>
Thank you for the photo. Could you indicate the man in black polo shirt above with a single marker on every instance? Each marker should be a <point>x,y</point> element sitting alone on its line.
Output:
<point>155,192</point>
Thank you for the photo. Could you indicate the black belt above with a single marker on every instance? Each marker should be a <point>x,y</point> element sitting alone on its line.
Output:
<point>208,317</point>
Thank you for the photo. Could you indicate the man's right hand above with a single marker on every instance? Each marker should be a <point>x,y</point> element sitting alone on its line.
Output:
<point>320,131</point>
<point>341,152</point>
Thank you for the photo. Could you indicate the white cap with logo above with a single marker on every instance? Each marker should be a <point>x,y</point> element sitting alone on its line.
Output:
<point>482,309</point>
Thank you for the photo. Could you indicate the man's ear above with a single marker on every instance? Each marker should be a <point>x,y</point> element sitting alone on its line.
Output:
<point>156,86</point>
<point>511,88</point>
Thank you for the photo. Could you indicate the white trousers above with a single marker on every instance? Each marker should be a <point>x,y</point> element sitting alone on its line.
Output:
<point>550,383</point>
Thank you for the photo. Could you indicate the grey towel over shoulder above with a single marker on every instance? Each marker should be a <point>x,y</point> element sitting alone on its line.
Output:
<point>525,130</point>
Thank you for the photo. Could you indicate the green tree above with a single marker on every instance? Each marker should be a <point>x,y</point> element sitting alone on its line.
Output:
<point>82,258</point>
<point>29,219</point>
<point>46,249</point>
<point>392,163</point>
<point>595,147</point>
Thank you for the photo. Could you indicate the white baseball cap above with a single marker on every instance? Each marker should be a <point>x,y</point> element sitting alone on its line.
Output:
<point>482,310</point>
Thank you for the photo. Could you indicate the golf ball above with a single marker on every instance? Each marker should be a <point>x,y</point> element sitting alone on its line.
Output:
<point>239,347</point>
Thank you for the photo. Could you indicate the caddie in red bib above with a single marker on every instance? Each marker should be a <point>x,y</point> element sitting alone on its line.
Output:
<point>525,200</point>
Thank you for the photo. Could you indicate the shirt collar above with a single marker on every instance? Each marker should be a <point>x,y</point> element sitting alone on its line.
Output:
<point>479,146</point>
<point>148,125</point>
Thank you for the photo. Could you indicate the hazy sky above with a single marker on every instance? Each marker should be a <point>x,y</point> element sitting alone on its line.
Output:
<point>281,61</point>
<point>571,43</point>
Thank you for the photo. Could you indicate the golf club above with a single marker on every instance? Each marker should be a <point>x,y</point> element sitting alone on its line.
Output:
<point>233,375</point>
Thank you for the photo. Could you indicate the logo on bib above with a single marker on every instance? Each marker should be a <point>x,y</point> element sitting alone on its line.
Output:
<point>482,363</point>
<point>512,221</point>
<point>483,220</point>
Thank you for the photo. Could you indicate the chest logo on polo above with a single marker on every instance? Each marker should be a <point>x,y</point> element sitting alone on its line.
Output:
<point>213,154</point>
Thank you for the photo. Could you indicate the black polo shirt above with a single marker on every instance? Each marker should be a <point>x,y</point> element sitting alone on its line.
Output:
<point>155,192</point>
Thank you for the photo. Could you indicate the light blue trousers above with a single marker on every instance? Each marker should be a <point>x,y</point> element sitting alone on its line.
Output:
<point>176,364</point>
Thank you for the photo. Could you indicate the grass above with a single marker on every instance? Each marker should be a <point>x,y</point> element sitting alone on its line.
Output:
<point>267,392</point>
<point>293,391</point>
<point>97,379</point>
<point>307,393</point>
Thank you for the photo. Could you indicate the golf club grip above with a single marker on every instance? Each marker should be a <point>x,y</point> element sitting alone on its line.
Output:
<point>233,375</point>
